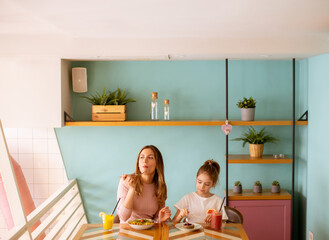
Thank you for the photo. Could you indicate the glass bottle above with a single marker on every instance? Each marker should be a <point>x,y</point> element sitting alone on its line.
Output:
<point>154,106</point>
<point>166,110</point>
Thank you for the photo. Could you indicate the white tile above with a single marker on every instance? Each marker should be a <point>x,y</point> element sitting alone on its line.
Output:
<point>25,146</point>
<point>40,133</point>
<point>40,160</point>
<point>39,201</point>
<point>25,133</point>
<point>53,146</point>
<point>41,176</point>
<point>12,146</point>
<point>56,176</point>
<point>11,133</point>
<point>31,189</point>
<point>41,191</point>
<point>15,156</point>
<point>28,174</point>
<point>40,146</point>
<point>51,133</point>
<point>3,232</point>
<point>55,161</point>
<point>26,160</point>
<point>53,187</point>
<point>65,179</point>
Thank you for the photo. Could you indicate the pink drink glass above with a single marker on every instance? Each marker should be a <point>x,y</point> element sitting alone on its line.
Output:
<point>216,221</point>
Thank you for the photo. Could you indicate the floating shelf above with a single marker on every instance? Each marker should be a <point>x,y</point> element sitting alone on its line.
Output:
<point>266,159</point>
<point>186,123</point>
<point>248,194</point>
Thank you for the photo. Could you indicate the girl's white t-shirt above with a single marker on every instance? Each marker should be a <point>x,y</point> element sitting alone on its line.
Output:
<point>198,206</point>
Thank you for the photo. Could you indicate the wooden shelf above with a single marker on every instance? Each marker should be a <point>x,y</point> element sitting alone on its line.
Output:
<point>266,159</point>
<point>186,123</point>
<point>248,194</point>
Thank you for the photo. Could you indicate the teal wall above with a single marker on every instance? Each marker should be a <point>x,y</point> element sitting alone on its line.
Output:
<point>318,151</point>
<point>97,156</point>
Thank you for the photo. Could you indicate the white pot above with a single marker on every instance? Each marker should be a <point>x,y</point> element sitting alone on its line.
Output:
<point>247,114</point>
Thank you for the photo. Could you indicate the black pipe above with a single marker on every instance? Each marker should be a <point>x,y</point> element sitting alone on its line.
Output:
<point>226,73</point>
<point>293,149</point>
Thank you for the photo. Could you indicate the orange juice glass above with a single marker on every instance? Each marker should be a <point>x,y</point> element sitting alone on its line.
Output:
<point>216,221</point>
<point>108,222</point>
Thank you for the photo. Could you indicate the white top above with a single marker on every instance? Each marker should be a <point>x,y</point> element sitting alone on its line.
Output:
<point>198,206</point>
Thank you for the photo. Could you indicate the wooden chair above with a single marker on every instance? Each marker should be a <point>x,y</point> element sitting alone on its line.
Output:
<point>234,216</point>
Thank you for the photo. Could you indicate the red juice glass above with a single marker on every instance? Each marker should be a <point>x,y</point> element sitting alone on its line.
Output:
<point>216,221</point>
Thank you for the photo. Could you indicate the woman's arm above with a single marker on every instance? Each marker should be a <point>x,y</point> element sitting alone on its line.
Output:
<point>126,191</point>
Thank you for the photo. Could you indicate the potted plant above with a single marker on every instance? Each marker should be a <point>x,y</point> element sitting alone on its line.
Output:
<point>109,106</point>
<point>256,141</point>
<point>257,187</point>
<point>237,187</point>
<point>275,187</point>
<point>247,106</point>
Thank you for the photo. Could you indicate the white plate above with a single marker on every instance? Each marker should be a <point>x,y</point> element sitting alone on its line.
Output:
<point>180,226</point>
<point>141,227</point>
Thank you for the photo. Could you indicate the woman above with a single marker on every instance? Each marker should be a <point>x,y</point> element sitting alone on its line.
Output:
<point>143,194</point>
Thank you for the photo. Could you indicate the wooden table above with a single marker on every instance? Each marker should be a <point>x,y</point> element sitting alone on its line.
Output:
<point>165,231</point>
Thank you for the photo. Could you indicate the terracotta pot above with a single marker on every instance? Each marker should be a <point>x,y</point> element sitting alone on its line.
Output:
<point>247,114</point>
<point>275,189</point>
<point>257,189</point>
<point>256,150</point>
<point>237,189</point>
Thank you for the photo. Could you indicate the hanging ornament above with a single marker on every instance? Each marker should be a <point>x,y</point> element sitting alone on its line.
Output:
<point>227,128</point>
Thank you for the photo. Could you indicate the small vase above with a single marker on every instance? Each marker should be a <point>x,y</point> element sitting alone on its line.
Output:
<point>247,114</point>
<point>257,189</point>
<point>275,189</point>
<point>237,189</point>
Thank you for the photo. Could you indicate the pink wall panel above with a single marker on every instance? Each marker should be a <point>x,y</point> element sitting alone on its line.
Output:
<point>265,219</point>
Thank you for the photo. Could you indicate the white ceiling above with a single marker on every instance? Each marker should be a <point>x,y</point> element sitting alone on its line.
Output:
<point>291,27</point>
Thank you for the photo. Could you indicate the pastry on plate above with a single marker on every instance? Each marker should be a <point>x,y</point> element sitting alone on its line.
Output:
<point>188,225</point>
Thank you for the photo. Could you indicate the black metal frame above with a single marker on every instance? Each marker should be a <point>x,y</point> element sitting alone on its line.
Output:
<point>293,140</point>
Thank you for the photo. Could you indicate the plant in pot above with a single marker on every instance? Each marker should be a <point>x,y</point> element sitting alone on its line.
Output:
<point>237,187</point>
<point>247,106</point>
<point>275,187</point>
<point>109,106</point>
<point>256,141</point>
<point>257,187</point>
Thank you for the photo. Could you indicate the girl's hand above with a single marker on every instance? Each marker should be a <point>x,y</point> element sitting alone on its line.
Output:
<point>208,219</point>
<point>183,213</point>
<point>129,181</point>
<point>164,214</point>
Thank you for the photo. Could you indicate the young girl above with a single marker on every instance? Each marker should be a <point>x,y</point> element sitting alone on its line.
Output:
<point>194,206</point>
<point>143,194</point>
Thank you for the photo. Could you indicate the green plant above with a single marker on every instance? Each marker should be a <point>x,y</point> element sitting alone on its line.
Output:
<point>237,183</point>
<point>254,137</point>
<point>247,103</point>
<point>275,183</point>
<point>257,183</point>
<point>118,97</point>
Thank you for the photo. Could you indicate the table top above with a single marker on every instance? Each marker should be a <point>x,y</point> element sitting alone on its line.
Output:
<point>229,231</point>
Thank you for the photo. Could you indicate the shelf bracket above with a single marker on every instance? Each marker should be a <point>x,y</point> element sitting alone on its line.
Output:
<point>67,117</point>
<point>304,115</point>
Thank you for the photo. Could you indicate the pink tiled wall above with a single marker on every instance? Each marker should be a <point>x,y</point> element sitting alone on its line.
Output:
<point>37,151</point>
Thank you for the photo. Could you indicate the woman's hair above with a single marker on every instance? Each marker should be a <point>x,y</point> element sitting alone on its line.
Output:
<point>158,180</point>
<point>211,168</point>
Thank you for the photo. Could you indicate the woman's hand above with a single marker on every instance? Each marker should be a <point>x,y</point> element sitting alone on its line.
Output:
<point>208,219</point>
<point>183,213</point>
<point>129,180</point>
<point>164,214</point>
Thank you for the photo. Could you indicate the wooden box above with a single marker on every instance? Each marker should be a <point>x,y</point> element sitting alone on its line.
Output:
<point>110,113</point>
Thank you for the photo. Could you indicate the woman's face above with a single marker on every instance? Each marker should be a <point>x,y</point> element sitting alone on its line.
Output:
<point>147,162</point>
<point>203,185</point>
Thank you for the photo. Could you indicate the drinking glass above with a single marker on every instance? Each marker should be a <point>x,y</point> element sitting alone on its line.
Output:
<point>216,221</point>
<point>108,221</point>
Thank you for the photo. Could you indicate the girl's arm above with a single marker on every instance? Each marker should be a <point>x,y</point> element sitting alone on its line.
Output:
<point>180,214</point>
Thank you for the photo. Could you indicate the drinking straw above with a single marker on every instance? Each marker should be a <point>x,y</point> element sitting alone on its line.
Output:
<point>116,205</point>
<point>222,204</point>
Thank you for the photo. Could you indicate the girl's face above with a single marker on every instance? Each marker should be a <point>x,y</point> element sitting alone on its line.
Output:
<point>203,185</point>
<point>147,162</point>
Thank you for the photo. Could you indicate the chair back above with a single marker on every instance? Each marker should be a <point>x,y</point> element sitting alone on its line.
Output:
<point>234,216</point>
